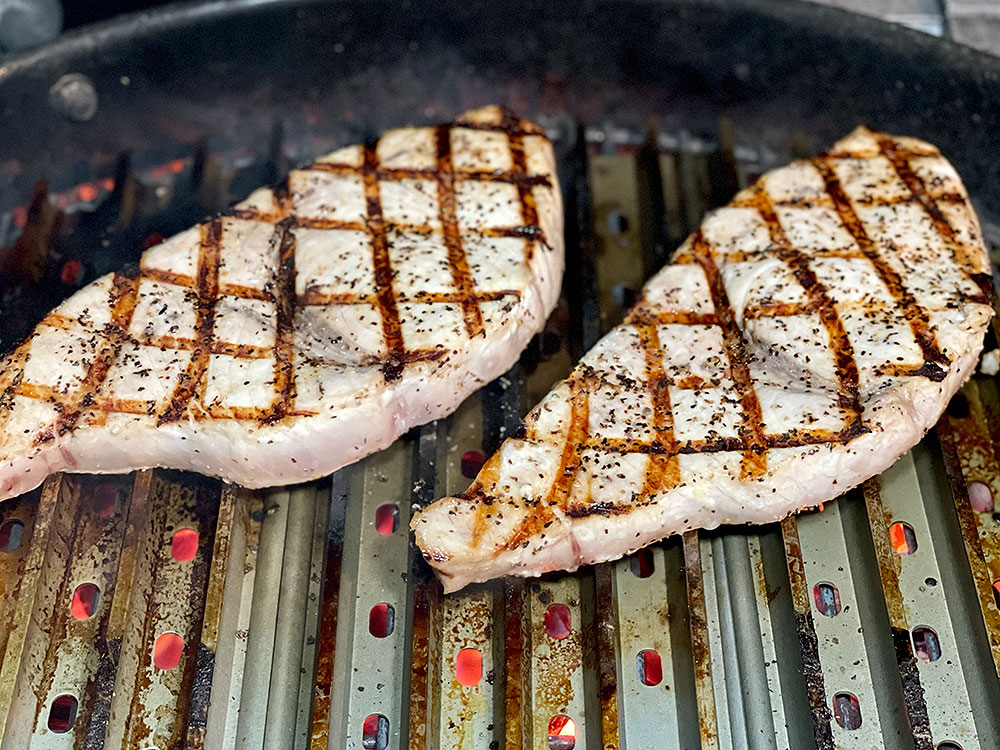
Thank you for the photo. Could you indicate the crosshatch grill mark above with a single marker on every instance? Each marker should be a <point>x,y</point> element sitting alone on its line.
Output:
<point>900,161</point>
<point>386,300</point>
<point>569,465</point>
<point>898,157</point>
<point>206,288</point>
<point>849,392</point>
<point>447,212</point>
<point>192,380</point>
<point>934,361</point>
<point>285,302</point>
<point>663,470</point>
<point>123,294</point>
<point>754,461</point>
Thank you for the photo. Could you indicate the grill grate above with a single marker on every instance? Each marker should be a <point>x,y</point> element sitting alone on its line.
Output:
<point>305,618</point>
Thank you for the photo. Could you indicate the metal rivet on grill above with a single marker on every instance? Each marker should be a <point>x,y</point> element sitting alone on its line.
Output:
<point>386,518</point>
<point>558,622</point>
<point>926,644</point>
<point>562,733</point>
<point>375,732</point>
<point>381,620</point>
<point>11,533</point>
<point>62,714</point>
<point>184,545</point>
<point>903,538</point>
<point>847,710</point>
<point>74,96</point>
<point>827,598</point>
<point>649,667</point>
<point>167,651</point>
<point>958,407</point>
<point>641,563</point>
<point>468,667</point>
<point>472,462</point>
<point>980,497</point>
<point>85,600</point>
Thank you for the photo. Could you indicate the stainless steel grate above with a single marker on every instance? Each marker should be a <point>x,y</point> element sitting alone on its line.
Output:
<point>223,618</point>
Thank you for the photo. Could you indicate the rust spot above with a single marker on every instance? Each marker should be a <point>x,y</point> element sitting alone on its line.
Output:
<point>982,545</point>
<point>606,667</point>
<point>513,673</point>
<point>700,650</point>
<point>325,643</point>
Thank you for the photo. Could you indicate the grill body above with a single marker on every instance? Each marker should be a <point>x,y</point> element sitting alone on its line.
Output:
<point>293,619</point>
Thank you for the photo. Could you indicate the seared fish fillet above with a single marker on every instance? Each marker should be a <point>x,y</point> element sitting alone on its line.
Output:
<point>801,340</point>
<point>307,327</point>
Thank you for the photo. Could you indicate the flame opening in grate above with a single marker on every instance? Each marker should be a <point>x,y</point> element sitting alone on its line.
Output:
<point>847,710</point>
<point>375,732</point>
<point>184,545</point>
<point>926,644</point>
<point>386,518</point>
<point>827,598</point>
<point>650,667</point>
<point>469,666</point>
<point>168,651</point>
<point>381,620</point>
<point>903,538</point>
<point>562,733</point>
<point>86,597</point>
<point>62,714</point>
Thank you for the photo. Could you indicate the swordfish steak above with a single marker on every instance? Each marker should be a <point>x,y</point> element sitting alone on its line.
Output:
<point>308,326</point>
<point>801,340</point>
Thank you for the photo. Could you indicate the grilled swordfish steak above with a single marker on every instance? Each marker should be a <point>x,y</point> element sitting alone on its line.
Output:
<point>800,341</point>
<point>308,326</point>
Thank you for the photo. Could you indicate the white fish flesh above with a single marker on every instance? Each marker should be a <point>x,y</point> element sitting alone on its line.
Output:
<point>308,326</point>
<point>805,337</point>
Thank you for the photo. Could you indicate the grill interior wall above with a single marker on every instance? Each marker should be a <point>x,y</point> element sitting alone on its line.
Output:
<point>274,608</point>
